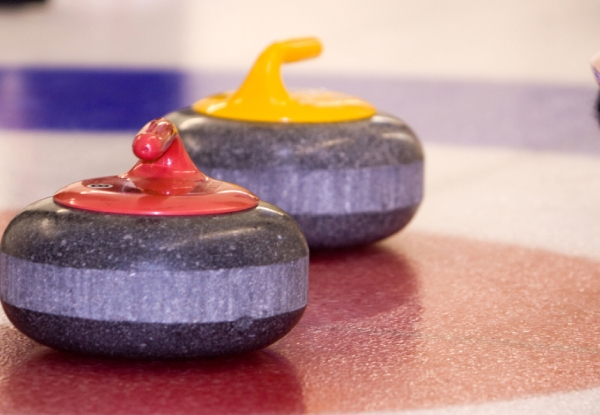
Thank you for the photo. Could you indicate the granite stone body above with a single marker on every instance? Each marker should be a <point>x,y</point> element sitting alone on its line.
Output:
<point>345,183</point>
<point>147,286</point>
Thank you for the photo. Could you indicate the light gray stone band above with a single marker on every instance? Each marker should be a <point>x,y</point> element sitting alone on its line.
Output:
<point>336,191</point>
<point>155,296</point>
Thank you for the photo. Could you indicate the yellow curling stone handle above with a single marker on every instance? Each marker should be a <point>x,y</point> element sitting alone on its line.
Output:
<point>263,96</point>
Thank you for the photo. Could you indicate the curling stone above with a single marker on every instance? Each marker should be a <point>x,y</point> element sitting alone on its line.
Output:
<point>346,173</point>
<point>159,262</point>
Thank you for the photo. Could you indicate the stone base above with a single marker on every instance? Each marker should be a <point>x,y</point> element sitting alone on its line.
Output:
<point>151,340</point>
<point>339,231</point>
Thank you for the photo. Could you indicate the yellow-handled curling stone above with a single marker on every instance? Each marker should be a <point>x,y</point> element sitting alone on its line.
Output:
<point>346,173</point>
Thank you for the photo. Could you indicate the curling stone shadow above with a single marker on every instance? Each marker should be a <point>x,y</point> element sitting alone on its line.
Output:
<point>51,382</point>
<point>358,283</point>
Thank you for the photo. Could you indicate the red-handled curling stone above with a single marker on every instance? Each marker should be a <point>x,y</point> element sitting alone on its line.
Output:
<point>161,261</point>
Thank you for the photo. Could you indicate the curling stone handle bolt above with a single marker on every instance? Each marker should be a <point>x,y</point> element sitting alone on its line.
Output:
<point>153,140</point>
<point>162,155</point>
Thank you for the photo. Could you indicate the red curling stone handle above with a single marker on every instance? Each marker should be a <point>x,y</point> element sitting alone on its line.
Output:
<point>164,181</point>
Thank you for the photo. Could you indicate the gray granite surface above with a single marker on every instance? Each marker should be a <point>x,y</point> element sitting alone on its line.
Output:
<point>160,296</point>
<point>374,189</point>
<point>48,233</point>
<point>380,140</point>
<point>347,169</point>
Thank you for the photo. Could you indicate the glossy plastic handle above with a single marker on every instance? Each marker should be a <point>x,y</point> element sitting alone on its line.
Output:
<point>165,181</point>
<point>293,50</point>
<point>162,154</point>
<point>263,96</point>
<point>263,84</point>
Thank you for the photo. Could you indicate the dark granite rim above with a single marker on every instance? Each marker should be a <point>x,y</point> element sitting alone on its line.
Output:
<point>151,340</point>
<point>343,231</point>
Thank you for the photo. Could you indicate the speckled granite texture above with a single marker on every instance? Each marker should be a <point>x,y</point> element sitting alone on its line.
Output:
<point>142,280</point>
<point>340,191</point>
<point>47,233</point>
<point>354,229</point>
<point>151,340</point>
<point>318,173</point>
<point>155,296</point>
